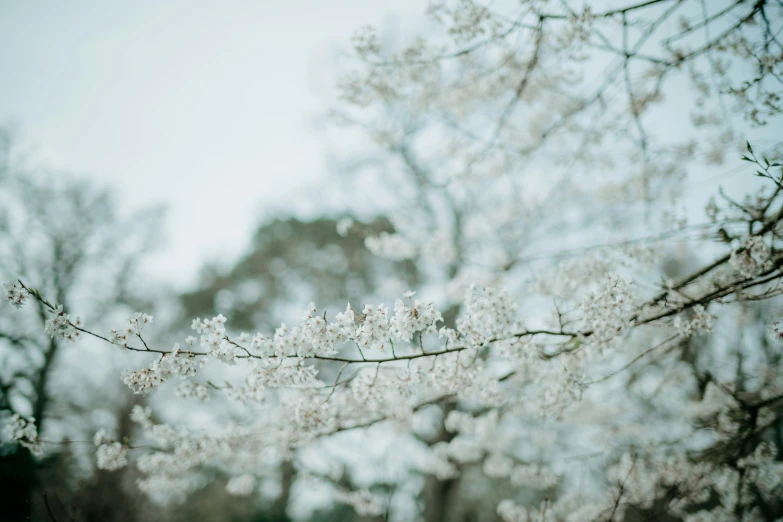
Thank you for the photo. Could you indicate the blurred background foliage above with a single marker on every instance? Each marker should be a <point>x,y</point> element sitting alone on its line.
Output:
<point>291,262</point>
<point>64,236</point>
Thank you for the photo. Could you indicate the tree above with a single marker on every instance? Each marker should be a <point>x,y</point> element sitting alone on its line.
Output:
<point>64,235</point>
<point>612,347</point>
<point>289,258</point>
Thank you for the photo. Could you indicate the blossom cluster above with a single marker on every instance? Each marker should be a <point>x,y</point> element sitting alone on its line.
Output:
<point>172,364</point>
<point>213,338</point>
<point>189,389</point>
<point>605,311</point>
<point>390,246</point>
<point>490,313</point>
<point>241,486</point>
<point>61,327</point>
<point>466,20</point>
<point>372,329</point>
<point>700,323</point>
<point>753,258</point>
<point>165,471</point>
<point>133,328</point>
<point>344,226</point>
<point>111,455</point>
<point>735,488</point>
<point>16,294</point>
<point>289,372</point>
<point>364,502</point>
<point>479,436</point>
<point>509,511</point>
<point>24,432</point>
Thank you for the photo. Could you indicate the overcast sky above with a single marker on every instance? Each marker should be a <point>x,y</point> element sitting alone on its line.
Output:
<point>184,103</point>
<point>207,107</point>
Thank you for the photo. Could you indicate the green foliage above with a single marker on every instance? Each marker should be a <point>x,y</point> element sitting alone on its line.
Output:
<point>293,261</point>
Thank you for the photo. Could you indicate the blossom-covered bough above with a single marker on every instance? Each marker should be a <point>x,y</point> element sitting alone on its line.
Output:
<point>506,149</point>
<point>491,367</point>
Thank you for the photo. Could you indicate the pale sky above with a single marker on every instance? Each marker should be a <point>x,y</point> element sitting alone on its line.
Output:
<point>207,107</point>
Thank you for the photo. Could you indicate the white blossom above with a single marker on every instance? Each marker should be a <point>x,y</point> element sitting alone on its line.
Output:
<point>111,456</point>
<point>508,511</point>
<point>408,320</point>
<point>605,311</point>
<point>241,486</point>
<point>752,259</point>
<point>16,294</point>
<point>61,327</point>
<point>700,323</point>
<point>344,226</point>
<point>23,431</point>
<point>364,502</point>
<point>391,246</point>
<point>533,476</point>
<point>497,465</point>
<point>373,329</point>
<point>172,364</point>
